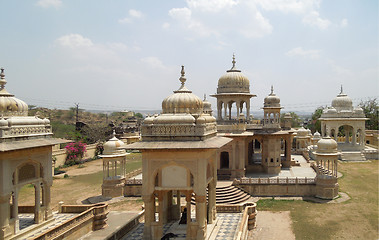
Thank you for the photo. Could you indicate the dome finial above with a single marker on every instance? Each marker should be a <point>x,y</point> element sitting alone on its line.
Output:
<point>205,97</point>
<point>341,89</point>
<point>272,89</point>
<point>2,79</point>
<point>182,77</point>
<point>234,61</point>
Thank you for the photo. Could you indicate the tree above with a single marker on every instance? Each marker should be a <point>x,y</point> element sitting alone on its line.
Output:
<point>371,109</point>
<point>96,132</point>
<point>315,122</point>
<point>139,115</point>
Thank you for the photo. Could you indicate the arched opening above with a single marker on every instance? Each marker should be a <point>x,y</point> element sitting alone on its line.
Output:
<point>27,182</point>
<point>345,133</point>
<point>224,160</point>
<point>256,156</point>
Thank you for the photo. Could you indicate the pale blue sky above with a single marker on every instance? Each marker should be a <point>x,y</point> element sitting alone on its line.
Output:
<point>127,54</point>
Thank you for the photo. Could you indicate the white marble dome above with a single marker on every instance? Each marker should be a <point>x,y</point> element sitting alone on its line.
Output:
<point>10,105</point>
<point>327,145</point>
<point>183,100</point>
<point>342,102</point>
<point>302,132</point>
<point>317,135</point>
<point>114,147</point>
<point>233,81</point>
<point>272,100</point>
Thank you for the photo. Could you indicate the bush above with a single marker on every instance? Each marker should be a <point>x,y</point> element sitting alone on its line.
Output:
<point>99,149</point>
<point>65,176</point>
<point>75,152</point>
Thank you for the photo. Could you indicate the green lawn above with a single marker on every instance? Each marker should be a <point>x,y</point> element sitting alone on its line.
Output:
<point>356,218</point>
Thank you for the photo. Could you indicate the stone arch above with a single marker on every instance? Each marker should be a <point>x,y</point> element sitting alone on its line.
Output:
<point>173,175</point>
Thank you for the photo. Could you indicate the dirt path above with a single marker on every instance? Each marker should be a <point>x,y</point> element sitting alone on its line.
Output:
<point>89,167</point>
<point>273,225</point>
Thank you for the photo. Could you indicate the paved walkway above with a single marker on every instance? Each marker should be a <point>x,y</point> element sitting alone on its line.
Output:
<point>225,228</point>
<point>27,224</point>
<point>304,170</point>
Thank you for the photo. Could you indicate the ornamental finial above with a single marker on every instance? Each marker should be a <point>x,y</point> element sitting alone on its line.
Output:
<point>182,77</point>
<point>234,61</point>
<point>272,89</point>
<point>205,97</point>
<point>341,89</point>
<point>2,79</point>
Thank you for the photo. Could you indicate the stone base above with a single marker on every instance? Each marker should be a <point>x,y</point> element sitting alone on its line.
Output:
<point>326,188</point>
<point>273,169</point>
<point>113,187</point>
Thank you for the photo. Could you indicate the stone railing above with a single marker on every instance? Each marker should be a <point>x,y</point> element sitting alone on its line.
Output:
<point>133,181</point>
<point>235,127</point>
<point>94,214</point>
<point>247,223</point>
<point>277,180</point>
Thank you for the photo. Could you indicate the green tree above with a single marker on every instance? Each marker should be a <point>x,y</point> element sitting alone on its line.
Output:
<point>139,115</point>
<point>315,122</point>
<point>371,109</point>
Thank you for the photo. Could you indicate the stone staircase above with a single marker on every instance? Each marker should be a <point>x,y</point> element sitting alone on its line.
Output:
<point>229,195</point>
<point>353,156</point>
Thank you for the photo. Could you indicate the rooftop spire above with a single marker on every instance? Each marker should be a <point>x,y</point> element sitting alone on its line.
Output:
<point>272,89</point>
<point>341,89</point>
<point>182,77</point>
<point>234,61</point>
<point>2,79</point>
<point>205,97</point>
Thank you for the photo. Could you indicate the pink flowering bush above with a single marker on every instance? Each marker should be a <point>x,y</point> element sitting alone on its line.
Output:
<point>75,152</point>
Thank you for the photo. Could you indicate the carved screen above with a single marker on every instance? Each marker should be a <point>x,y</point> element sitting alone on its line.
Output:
<point>174,177</point>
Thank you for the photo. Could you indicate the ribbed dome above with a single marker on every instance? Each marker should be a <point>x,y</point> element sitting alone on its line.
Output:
<point>342,102</point>
<point>302,132</point>
<point>9,105</point>
<point>233,81</point>
<point>326,145</point>
<point>183,100</point>
<point>113,147</point>
<point>317,135</point>
<point>272,100</point>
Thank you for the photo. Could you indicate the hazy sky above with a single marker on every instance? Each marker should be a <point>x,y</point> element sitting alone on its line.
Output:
<point>126,54</point>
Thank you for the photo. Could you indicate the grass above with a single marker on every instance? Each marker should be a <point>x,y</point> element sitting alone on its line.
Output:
<point>356,218</point>
<point>75,188</point>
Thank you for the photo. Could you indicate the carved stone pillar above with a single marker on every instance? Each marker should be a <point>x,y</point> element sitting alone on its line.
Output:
<point>201,217</point>
<point>149,215</point>
<point>37,202</point>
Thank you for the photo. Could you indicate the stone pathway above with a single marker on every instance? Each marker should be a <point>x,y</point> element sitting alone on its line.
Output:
<point>229,223</point>
<point>26,221</point>
<point>304,170</point>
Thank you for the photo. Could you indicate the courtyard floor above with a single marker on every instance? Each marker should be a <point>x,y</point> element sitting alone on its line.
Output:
<point>304,170</point>
<point>224,229</point>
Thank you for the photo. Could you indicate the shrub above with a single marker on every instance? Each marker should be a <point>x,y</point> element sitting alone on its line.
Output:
<point>99,149</point>
<point>65,176</point>
<point>75,152</point>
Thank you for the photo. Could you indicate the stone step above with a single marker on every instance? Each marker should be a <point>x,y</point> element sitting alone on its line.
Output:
<point>228,195</point>
<point>353,156</point>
